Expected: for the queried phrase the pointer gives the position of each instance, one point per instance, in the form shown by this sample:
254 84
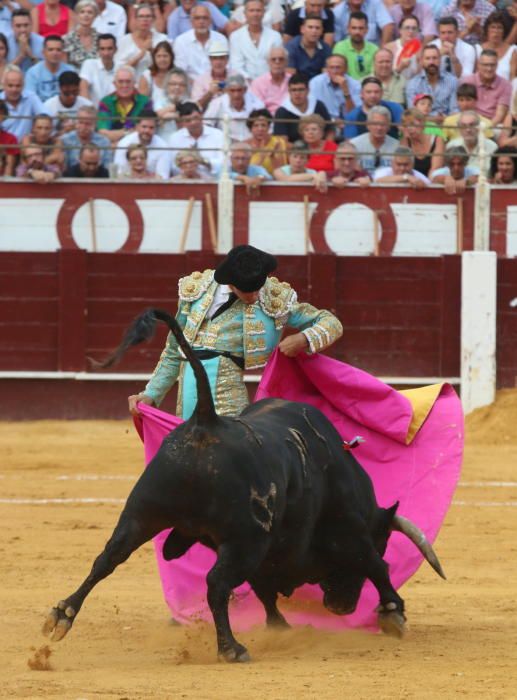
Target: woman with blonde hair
192 166
428 149
137 158
81 43
321 151
152 82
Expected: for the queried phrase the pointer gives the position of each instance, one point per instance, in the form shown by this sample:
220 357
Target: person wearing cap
212 83
191 49
237 102
424 104
234 317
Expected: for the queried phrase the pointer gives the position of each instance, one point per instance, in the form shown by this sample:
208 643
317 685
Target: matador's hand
136 398
293 344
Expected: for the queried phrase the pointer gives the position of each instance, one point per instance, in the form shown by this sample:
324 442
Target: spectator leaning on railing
22 105
503 168
241 170
269 151
33 166
191 166
401 171
456 175
89 164
347 170
84 134
297 171
41 135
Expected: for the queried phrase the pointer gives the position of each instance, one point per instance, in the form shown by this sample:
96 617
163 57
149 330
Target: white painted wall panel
511 232
163 224
425 229
278 227
29 225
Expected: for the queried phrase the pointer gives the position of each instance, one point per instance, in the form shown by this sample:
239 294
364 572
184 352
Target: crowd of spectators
313 91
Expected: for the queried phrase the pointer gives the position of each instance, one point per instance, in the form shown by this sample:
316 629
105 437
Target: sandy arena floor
463 633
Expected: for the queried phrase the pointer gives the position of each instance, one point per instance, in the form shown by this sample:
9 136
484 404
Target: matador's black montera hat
246 268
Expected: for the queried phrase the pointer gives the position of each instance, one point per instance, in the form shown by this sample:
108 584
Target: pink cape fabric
421 475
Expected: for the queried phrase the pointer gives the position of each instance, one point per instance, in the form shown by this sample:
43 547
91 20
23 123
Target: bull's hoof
59 621
235 655
391 621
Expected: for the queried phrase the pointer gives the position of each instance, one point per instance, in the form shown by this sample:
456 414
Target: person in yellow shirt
467 101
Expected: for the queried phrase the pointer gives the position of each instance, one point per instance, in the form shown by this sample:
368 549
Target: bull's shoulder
277 298
193 286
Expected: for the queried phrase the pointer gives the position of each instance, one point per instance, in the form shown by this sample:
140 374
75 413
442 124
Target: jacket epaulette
193 286
277 298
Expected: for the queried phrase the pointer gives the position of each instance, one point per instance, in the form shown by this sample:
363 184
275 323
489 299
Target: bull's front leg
391 617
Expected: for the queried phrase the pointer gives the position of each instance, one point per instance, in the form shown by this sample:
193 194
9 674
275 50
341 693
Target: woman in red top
312 129
52 18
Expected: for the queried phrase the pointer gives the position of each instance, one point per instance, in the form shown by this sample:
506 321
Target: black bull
273 492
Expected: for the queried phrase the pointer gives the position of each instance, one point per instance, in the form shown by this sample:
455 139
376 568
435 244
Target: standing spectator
89 164
242 171
393 83
51 18
196 135
376 148
83 135
426 148
134 49
111 19
119 111
33 166
298 104
312 131
136 156
22 105
378 20
431 81
458 57
407 65
9 150
268 151
43 78
271 87
509 132
421 10
456 175
192 47
63 107
338 91
176 93
297 170
41 135
97 74
25 47
371 96
495 37
191 166
158 157
401 171
179 19
250 45
81 43
315 8
347 169
467 98
307 54
470 15
237 102
152 82
503 169
358 52
470 139
494 92
212 83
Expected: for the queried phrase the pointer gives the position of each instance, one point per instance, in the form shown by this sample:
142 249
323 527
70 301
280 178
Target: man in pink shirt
494 92
212 84
271 87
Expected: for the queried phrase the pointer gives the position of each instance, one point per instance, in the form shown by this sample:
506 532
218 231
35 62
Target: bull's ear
384 521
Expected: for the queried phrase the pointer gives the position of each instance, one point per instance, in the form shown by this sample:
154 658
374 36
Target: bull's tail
142 329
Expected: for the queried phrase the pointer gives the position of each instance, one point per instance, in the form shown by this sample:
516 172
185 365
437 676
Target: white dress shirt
158 160
465 53
248 59
220 106
112 20
210 145
220 297
127 50
191 55
99 79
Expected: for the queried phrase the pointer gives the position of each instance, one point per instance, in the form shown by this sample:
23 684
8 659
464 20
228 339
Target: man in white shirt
250 45
237 103
97 74
469 138
111 19
63 106
194 135
191 48
158 155
457 57
401 171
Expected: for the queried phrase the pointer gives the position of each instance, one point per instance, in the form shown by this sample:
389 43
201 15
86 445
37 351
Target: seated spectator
250 45
22 105
176 93
161 12
51 18
33 166
458 57
191 166
111 19
312 131
268 151
134 49
431 81
137 159
470 139
81 43
85 135
379 21
97 74
316 8
456 175
179 19
9 150
272 87
338 91
393 83
192 47
241 169
509 14
237 102
427 149
347 170
43 77
307 54
63 107
470 15
371 96
503 169
41 135
89 164
297 170
424 104
6 10
494 93
358 52
467 98
196 135
212 83
25 47
509 131
4 50
274 15
401 171
124 101
298 104
408 66
421 10
158 157
495 36
376 148
152 81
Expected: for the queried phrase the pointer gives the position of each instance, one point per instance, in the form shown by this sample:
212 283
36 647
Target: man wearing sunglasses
358 52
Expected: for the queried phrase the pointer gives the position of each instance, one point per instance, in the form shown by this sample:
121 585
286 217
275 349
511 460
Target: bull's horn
416 535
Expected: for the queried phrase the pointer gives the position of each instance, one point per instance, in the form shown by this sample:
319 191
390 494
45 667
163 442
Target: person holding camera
212 83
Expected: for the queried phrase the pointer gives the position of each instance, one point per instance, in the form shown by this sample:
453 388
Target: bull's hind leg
129 534
268 597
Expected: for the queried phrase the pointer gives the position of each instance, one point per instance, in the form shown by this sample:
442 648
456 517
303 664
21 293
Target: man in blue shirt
430 81
371 96
23 106
43 77
338 91
25 48
307 53
179 19
241 171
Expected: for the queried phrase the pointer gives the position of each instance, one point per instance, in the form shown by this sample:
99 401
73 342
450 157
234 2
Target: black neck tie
231 299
